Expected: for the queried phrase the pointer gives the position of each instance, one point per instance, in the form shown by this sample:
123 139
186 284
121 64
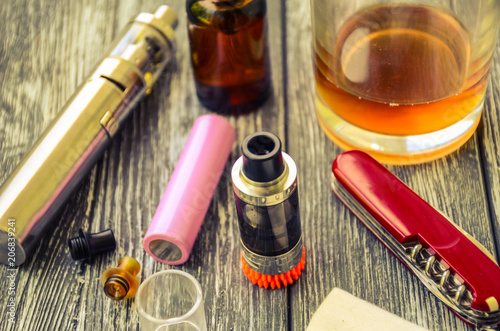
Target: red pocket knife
450 263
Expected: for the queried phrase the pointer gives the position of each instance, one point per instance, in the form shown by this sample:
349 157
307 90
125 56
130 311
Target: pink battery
181 211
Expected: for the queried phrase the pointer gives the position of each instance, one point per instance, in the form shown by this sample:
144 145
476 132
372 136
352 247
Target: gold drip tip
122 282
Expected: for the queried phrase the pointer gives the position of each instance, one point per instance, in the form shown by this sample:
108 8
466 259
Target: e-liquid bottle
229 54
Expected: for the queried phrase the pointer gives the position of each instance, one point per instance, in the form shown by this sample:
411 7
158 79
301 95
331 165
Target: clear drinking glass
403 80
171 300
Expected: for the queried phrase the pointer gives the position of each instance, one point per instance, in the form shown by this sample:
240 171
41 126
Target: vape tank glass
267 203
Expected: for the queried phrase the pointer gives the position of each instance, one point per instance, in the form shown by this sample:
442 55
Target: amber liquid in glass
400 70
229 54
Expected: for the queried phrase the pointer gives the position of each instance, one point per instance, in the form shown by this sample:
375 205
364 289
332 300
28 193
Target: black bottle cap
262 158
87 244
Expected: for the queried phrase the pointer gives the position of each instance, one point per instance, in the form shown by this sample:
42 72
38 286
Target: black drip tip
87 244
262 158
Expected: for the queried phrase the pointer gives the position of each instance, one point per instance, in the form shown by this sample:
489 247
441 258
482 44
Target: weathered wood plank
64 41
342 252
489 134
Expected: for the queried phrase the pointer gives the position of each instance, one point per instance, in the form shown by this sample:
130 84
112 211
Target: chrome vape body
77 137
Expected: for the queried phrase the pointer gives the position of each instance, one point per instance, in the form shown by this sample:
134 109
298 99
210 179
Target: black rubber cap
262 158
87 245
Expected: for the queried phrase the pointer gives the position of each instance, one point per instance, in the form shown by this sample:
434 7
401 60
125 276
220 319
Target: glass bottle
229 54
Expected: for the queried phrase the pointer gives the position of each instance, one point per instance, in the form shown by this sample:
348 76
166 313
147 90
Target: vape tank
267 203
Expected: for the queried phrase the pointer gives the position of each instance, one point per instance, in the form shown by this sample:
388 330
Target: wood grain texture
123 190
489 133
342 252
46 50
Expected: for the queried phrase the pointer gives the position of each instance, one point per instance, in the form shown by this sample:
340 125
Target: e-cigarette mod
76 139
267 203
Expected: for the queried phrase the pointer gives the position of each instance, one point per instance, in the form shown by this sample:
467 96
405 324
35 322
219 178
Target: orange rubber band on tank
274 281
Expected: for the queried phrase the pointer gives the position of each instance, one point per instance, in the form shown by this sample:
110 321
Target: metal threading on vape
273 265
267 195
438 278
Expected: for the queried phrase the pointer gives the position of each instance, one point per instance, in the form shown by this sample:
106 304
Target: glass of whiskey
404 81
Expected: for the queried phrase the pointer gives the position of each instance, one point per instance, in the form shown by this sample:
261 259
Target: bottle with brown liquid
229 54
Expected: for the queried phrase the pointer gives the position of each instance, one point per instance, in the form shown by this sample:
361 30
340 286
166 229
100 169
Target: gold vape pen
75 140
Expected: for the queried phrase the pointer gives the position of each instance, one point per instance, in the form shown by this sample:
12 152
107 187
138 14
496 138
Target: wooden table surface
47 47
